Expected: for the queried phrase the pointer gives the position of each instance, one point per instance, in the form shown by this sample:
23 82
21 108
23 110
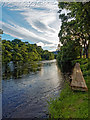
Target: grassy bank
72 104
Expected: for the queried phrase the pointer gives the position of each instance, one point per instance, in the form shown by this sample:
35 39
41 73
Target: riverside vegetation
16 51
72 104
74 36
21 58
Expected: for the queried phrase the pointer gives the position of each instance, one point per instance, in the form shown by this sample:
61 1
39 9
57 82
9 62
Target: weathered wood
78 82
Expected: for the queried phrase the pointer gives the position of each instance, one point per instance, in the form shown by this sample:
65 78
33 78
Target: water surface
26 96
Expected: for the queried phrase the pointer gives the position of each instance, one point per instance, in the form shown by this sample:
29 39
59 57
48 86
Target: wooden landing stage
78 82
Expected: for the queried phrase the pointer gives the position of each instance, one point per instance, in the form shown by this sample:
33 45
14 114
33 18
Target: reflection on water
27 97
18 70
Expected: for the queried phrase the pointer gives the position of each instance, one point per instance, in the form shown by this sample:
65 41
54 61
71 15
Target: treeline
74 33
16 50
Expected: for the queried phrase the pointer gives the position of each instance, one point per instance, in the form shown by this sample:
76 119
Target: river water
26 96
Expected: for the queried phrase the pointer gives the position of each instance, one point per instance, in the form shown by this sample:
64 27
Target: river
26 96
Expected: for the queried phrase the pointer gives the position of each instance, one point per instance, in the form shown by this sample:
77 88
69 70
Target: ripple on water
27 97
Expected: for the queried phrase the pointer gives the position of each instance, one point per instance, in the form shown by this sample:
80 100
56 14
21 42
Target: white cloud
40 44
21 33
42 18
51 47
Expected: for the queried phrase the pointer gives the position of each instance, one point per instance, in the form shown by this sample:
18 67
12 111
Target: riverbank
72 104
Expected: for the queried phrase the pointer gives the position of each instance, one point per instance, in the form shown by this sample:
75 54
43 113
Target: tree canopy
75 29
16 50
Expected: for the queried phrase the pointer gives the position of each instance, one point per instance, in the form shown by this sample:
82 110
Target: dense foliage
74 33
67 53
16 50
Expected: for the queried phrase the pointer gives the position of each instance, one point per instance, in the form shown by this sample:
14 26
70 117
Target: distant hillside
55 52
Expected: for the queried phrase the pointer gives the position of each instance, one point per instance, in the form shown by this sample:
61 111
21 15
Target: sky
35 21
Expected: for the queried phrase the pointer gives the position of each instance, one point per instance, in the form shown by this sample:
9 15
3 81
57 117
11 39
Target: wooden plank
78 82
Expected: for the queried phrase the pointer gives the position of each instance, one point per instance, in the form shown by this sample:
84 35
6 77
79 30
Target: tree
16 50
78 28
74 33
67 54
6 51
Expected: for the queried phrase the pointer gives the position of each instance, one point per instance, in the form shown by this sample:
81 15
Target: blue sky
36 21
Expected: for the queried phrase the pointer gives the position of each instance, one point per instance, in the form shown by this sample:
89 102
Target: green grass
72 104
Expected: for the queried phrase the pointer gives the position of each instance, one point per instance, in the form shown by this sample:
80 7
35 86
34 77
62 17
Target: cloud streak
38 22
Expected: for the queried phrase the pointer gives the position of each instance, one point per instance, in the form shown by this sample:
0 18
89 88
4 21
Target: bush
67 54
